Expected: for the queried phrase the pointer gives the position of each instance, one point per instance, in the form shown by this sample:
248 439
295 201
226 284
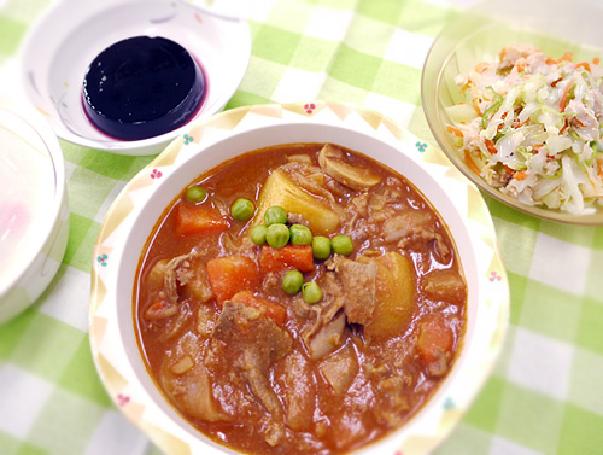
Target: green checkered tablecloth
546 393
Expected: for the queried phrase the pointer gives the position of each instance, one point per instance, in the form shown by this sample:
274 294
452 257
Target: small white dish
64 42
33 210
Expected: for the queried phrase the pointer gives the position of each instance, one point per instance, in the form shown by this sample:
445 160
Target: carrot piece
520 175
199 219
596 61
273 310
600 167
565 97
584 65
470 163
454 131
435 337
551 61
231 274
290 256
490 146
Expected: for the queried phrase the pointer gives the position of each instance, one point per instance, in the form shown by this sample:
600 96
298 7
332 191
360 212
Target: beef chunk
325 331
243 328
391 402
327 338
300 391
340 369
196 283
206 321
256 342
359 287
415 229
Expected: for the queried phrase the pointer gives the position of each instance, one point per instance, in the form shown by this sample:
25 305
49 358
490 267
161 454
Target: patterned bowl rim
426 429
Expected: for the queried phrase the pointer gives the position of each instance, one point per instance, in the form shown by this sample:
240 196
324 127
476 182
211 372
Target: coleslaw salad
531 126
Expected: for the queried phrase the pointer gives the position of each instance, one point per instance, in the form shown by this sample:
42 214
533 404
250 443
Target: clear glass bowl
477 35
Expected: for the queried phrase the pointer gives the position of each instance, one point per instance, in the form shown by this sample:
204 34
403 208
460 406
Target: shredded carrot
555 82
508 170
470 163
455 131
565 97
567 57
490 146
521 175
502 54
520 67
596 61
476 108
600 167
584 65
481 67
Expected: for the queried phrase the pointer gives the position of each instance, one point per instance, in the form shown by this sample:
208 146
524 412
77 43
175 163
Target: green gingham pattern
545 395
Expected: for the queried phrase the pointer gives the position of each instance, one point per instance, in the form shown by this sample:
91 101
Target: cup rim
37 126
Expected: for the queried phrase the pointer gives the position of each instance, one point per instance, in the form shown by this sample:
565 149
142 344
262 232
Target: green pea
196 194
300 235
321 247
342 244
292 282
258 234
277 235
242 209
275 214
311 292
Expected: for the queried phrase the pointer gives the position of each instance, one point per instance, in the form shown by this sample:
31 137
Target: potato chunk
396 291
281 190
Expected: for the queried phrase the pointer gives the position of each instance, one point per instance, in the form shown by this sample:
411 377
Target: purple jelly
142 87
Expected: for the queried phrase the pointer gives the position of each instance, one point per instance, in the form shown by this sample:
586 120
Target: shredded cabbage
534 127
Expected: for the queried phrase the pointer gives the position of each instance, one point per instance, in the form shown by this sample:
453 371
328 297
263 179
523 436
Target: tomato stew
319 320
